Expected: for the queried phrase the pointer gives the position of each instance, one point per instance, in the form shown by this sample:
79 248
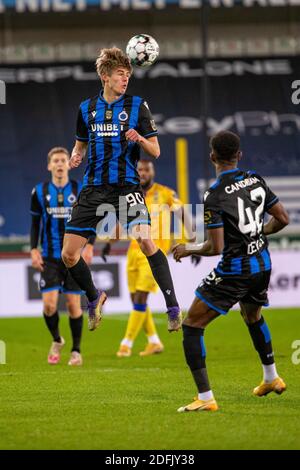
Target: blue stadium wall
252 97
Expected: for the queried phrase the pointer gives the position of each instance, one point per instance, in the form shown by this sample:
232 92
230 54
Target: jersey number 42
250 220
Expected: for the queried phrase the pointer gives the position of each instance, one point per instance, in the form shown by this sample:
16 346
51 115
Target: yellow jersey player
161 202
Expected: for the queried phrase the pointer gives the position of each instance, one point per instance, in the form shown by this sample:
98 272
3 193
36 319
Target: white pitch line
114 369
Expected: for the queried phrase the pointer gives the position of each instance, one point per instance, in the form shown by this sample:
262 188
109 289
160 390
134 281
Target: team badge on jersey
72 198
207 217
108 114
60 198
123 116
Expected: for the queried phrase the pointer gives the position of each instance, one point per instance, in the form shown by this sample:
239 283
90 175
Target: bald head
146 172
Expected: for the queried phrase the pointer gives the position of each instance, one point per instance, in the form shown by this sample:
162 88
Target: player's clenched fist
133 136
75 160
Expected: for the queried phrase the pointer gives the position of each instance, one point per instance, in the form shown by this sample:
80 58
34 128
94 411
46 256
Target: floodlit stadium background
47 54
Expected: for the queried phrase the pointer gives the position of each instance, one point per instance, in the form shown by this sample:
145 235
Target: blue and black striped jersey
238 201
54 205
111 158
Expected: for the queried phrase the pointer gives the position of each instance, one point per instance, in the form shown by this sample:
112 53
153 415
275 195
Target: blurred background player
234 210
51 204
161 202
112 127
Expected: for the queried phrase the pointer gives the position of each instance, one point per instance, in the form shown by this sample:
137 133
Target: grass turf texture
131 403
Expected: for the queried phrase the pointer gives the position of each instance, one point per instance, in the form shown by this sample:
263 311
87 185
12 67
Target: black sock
82 275
195 354
76 329
52 324
161 273
261 338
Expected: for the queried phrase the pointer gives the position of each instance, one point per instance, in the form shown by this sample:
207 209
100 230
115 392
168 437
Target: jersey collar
60 188
113 102
234 170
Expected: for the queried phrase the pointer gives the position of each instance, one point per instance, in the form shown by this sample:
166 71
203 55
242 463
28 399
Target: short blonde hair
57 150
110 59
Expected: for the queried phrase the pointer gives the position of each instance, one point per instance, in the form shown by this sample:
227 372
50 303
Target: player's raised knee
69 258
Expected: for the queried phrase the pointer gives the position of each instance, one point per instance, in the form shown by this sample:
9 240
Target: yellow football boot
152 348
124 351
200 405
278 386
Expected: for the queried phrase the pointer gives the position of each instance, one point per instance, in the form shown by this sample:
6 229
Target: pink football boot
54 353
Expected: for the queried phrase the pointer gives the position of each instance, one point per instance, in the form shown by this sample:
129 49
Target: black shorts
221 293
56 277
125 204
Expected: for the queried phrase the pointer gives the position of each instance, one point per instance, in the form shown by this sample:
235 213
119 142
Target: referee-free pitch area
131 403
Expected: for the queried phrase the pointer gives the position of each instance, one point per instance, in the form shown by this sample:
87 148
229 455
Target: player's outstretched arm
213 246
279 219
78 153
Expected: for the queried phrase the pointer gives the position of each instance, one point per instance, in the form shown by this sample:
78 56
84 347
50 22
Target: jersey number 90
134 198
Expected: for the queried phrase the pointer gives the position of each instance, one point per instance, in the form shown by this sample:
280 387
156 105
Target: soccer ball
142 50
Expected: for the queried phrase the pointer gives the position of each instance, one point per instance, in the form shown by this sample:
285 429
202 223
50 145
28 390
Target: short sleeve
35 206
212 212
81 128
271 198
146 124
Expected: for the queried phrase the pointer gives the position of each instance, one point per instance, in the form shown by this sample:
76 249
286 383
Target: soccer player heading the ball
111 129
234 210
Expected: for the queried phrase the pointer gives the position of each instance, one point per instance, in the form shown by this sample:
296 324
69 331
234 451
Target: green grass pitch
131 403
